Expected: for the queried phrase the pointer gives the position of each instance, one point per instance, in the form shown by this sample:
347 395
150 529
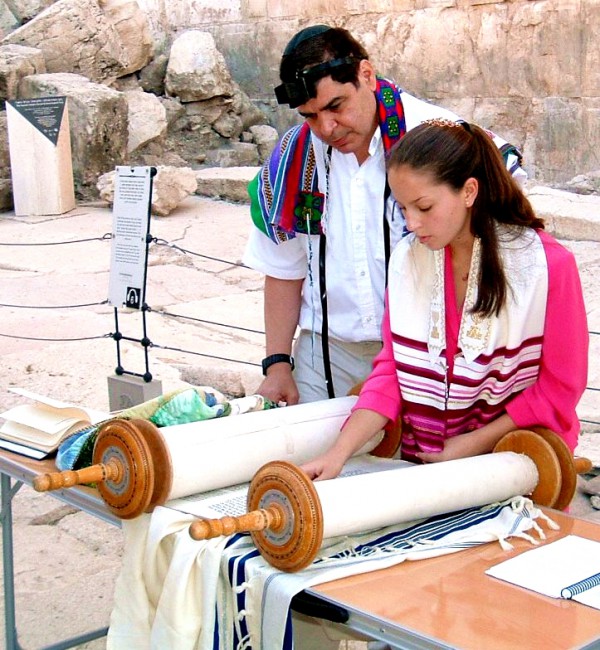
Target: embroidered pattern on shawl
284 195
497 357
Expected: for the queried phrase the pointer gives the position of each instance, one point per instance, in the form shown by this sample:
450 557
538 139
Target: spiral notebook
568 568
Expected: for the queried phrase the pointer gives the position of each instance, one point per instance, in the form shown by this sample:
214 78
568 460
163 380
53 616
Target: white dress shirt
355 259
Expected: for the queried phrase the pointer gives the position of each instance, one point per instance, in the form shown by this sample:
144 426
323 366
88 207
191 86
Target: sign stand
40 156
128 270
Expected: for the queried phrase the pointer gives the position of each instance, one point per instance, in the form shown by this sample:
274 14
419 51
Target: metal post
10 624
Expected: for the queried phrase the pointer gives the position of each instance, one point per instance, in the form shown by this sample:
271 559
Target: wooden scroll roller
556 465
137 466
289 515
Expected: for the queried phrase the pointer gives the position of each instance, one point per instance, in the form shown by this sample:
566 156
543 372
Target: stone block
196 69
227 183
133 29
589 18
125 391
171 185
238 154
98 117
568 215
16 62
76 37
147 118
25 10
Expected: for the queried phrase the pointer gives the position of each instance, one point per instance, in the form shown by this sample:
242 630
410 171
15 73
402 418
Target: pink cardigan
551 400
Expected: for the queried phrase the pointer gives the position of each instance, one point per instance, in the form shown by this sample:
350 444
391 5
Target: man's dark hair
313 53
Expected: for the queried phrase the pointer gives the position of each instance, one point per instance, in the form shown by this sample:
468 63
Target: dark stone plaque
45 113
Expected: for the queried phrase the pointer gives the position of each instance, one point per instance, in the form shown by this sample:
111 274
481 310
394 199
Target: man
325 220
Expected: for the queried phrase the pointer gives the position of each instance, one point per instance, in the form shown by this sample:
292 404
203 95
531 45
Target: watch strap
272 359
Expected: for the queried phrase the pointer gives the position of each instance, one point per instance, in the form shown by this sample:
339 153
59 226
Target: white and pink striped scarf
497 357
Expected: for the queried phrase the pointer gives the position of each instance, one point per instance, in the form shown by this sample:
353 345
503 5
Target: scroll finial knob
111 471
273 518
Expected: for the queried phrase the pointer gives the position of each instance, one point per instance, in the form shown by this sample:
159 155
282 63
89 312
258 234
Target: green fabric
255 211
185 407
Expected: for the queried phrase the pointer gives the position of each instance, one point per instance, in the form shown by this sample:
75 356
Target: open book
36 429
568 568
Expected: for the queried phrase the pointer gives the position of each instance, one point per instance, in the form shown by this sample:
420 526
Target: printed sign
131 221
45 113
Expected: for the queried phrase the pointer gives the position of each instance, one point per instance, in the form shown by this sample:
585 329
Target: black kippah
304 35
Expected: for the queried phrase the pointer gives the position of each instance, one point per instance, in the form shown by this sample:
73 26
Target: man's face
343 115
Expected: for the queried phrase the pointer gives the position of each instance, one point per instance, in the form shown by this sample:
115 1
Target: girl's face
437 214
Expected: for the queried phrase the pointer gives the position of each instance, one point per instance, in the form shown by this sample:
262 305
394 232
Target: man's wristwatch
267 362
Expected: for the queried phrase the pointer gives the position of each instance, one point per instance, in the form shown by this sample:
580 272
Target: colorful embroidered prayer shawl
285 197
180 406
497 357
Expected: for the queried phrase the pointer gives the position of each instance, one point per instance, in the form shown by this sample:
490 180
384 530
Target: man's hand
279 385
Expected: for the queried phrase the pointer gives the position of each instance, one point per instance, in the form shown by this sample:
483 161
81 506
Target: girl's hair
452 152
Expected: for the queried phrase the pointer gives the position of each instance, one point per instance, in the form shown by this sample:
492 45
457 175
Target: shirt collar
376 142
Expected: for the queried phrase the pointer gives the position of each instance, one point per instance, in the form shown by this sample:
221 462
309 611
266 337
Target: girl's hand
323 467
461 446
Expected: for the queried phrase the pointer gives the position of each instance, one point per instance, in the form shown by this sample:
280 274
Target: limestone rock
6 200
229 184
75 37
170 187
128 82
154 155
203 114
237 154
152 76
585 183
16 62
229 125
248 112
8 21
196 69
25 10
174 109
98 120
133 28
567 215
266 138
230 382
147 118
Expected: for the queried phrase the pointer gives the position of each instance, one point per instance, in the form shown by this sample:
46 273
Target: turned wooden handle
272 517
582 465
111 471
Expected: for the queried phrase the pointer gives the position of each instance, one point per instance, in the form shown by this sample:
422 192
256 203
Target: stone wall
528 69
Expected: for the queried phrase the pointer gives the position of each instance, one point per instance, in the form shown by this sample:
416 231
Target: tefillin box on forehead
303 88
